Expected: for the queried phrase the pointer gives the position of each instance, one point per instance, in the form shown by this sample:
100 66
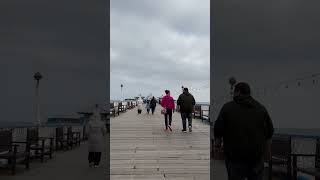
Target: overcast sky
158 45
267 42
66 42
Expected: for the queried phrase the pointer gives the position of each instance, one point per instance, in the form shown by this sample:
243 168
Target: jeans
168 114
152 109
94 157
243 170
184 117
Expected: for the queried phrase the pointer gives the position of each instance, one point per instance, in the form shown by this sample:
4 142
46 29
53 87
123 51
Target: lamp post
121 91
232 82
37 76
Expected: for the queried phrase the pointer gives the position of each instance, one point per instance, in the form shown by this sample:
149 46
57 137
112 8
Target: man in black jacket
186 104
153 104
245 128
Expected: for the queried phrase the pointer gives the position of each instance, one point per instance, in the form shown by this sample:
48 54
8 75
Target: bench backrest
59 133
281 146
5 139
197 108
69 130
33 135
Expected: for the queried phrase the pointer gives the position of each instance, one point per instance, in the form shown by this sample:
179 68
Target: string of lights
312 79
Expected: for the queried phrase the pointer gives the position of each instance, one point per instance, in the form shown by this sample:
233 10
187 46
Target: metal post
37 77
38 103
121 92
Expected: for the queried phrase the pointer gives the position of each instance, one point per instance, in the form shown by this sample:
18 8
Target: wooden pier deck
141 149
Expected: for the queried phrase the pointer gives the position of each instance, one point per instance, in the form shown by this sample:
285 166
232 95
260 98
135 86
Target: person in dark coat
245 128
186 103
153 104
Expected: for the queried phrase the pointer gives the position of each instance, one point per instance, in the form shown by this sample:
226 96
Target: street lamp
37 76
121 91
232 82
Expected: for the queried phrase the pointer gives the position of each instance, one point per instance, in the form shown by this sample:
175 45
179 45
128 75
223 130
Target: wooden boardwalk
141 149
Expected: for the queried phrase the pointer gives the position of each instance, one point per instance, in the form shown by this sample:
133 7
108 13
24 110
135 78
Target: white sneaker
96 166
190 129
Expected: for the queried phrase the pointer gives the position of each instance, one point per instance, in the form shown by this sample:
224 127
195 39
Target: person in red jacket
167 103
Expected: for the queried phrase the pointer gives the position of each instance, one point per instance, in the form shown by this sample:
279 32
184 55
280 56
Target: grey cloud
158 45
66 42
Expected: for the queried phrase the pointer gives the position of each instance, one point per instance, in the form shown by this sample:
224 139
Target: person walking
245 129
97 131
153 104
139 102
148 106
168 105
186 103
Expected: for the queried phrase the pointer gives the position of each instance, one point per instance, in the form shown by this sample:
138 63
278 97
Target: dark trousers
184 117
152 109
166 116
94 157
243 170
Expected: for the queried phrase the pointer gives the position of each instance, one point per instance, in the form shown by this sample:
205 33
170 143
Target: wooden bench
76 138
130 105
59 138
73 137
197 111
39 144
205 114
313 171
68 139
125 106
121 108
10 152
280 160
112 110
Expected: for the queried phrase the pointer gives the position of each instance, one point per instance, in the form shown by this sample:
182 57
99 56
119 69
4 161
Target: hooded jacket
186 102
245 126
153 103
168 102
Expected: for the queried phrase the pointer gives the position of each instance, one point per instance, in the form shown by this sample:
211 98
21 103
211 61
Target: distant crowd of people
185 104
